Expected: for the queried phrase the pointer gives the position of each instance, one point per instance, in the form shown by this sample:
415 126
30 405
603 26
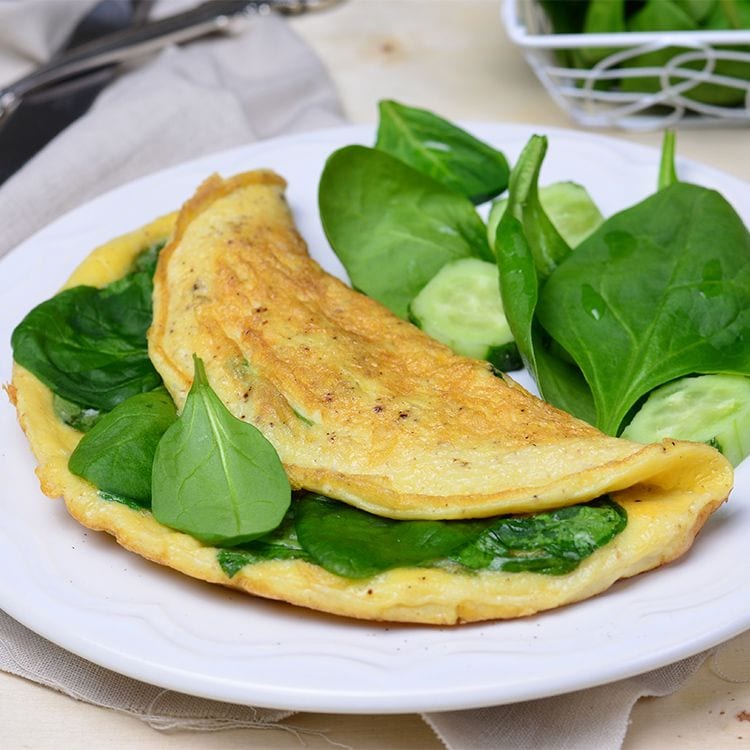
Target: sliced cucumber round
569 207
713 409
461 307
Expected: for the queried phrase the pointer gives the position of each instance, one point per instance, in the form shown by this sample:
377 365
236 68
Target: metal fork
213 16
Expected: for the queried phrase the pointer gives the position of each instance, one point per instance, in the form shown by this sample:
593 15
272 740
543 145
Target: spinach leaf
659 291
216 477
393 227
567 17
602 17
122 499
527 249
117 453
147 258
667 169
553 542
558 378
547 246
280 544
441 150
661 15
74 415
355 544
123 307
519 288
88 345
655 15
567 204
724 16
698 10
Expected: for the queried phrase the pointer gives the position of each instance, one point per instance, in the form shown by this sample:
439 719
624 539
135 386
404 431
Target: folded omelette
365 408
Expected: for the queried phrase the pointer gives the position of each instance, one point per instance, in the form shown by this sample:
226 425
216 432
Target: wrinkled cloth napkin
178 105
186 102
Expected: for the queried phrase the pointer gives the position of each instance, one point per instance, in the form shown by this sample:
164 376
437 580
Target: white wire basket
619 91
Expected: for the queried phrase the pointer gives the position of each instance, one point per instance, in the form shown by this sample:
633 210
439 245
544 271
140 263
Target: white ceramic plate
80 590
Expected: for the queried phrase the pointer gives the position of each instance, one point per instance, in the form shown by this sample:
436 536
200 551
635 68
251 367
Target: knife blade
44 113
48 91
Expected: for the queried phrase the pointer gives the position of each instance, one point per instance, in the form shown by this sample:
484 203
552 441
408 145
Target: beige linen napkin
176 106
189 101
593 719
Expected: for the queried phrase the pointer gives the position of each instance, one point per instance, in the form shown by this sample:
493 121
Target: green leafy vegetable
698 10
558 378
147 259
356 544
393 227
655 15
602 17
596 345
684 309
280 544
527 249
519 287
122 499
667 170
569 207
554 542
88 345
117 453
661 15
548 248
670 15
724 15
74 415
216 477
441 150
566 17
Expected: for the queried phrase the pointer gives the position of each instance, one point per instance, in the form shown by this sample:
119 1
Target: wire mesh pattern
637 80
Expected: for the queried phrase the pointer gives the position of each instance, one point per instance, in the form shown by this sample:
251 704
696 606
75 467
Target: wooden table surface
451 56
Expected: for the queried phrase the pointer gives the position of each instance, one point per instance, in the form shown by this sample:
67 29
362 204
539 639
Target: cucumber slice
713 409
461 307
569 207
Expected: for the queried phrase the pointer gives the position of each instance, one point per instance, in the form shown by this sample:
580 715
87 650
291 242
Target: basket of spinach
655 294
638 64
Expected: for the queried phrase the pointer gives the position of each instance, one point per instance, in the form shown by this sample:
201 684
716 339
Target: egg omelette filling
365 408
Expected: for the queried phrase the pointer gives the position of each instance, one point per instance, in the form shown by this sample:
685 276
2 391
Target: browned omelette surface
360 405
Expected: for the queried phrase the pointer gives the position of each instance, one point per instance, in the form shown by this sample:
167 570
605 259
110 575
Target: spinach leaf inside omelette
88 344
338 558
